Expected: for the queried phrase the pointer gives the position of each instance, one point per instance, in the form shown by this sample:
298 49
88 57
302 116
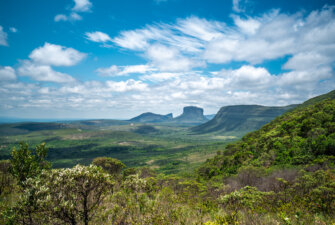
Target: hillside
191 115
151 118
303 136
240 119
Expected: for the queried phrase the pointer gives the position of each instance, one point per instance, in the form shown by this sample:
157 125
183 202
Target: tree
69 195
110 165
5 177
28 163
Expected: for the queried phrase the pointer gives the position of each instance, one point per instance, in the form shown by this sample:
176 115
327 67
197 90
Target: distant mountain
191 115
240 119
211 116
151 118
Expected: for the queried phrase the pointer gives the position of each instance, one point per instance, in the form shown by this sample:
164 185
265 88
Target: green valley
158 173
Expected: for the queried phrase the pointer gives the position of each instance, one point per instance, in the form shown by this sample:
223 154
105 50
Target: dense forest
281 174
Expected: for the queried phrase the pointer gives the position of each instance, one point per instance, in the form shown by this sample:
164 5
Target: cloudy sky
119 58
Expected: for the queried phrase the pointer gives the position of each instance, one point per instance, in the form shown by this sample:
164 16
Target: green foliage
6 178
28 163
282 174
246 198
110 165
68 196
300 137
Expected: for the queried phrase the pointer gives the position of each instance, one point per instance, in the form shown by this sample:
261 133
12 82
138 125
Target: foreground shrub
59 196
27 163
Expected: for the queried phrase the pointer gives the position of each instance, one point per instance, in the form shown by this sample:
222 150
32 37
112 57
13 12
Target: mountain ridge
241 119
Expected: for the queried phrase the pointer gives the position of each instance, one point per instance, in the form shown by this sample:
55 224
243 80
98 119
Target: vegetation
281 174
26 163
138 145
110 165
300 137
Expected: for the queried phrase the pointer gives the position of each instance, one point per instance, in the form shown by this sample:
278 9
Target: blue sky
119 58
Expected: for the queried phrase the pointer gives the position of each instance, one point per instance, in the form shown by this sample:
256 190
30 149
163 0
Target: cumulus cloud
56 55
97 36
248 77
43 73
71 17
128 85
60 17
3 37
159 77
13 29
175 73
124 70
82 5
7 73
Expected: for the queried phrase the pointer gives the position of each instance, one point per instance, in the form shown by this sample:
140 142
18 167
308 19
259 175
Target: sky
119 58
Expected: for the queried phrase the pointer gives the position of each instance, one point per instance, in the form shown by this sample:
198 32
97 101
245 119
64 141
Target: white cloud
134 40
169 59
97 36
124 70
72 17
3 37
236 6
159 77
60 17
302 79
43 73
75 16
248 77
82 5
254 39
7 73
168 80
56 55
129 85
13 29
201 29
307 60
249 26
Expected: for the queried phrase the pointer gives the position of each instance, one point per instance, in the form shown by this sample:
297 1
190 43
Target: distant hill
151 118
191 115
300 137
240 119
98 123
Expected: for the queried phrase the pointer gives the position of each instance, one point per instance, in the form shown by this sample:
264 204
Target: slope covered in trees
303 136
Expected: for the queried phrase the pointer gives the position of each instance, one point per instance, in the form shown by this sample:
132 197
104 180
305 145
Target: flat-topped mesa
241 119
192 114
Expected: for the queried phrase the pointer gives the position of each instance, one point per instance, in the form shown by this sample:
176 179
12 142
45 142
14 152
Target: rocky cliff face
192 115
241 119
